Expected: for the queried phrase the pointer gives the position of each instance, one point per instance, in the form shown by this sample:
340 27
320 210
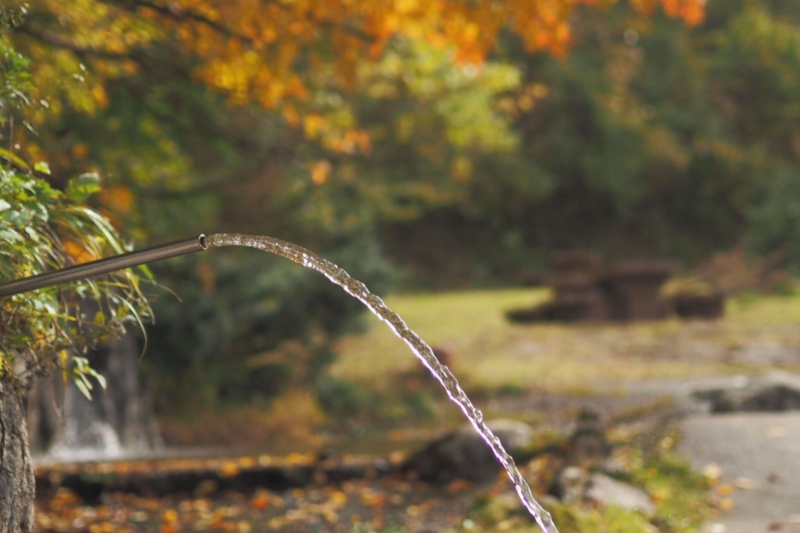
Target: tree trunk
16 472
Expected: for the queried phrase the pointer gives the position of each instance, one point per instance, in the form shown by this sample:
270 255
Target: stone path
759 453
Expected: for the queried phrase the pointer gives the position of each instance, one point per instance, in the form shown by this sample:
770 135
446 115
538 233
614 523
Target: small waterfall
418 346
85 436
67 426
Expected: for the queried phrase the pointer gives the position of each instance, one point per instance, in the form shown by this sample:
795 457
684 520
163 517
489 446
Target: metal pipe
103 266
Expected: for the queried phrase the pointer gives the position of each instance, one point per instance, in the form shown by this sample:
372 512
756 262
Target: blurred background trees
433 144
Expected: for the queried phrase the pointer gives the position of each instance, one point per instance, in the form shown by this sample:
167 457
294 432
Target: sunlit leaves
81 372
89 42
303 59
14 78
264 51
14 159
83 186
41 229
691 11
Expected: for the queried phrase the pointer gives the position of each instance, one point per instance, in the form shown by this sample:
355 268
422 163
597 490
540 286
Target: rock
463 454
570 484
588 442
698 305
574 484
764 353
608 491
614 467
775 391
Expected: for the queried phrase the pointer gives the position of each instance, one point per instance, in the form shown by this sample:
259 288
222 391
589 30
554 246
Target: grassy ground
491 355
757 333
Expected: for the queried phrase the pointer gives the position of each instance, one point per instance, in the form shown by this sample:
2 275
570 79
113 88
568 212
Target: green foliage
649 138
248 325
681 493
41 229
775 221
646 137
573 519
14 73
432 123
82 187
81 373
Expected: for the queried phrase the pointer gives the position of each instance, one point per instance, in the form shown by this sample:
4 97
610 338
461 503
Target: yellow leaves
350 142
169 516
229 469
461 169
725 489
406 7
312 124
338 498
99 95
334 131
372 498
80 150
712 473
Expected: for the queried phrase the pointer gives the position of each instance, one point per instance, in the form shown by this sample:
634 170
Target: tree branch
184 15
53 39
180 16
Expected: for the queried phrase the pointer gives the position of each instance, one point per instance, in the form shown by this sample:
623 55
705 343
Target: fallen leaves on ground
370 503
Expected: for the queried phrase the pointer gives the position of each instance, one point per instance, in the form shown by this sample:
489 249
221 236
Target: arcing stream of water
420 348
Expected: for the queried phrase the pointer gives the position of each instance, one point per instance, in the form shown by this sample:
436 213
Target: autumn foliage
275 52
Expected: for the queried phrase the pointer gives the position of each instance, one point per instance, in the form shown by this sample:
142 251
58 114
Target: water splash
420 348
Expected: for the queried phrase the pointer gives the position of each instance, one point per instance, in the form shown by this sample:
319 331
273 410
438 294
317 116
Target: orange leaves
543 25
78 252
252 48
169 519
320 172
276 53
118 198
260 500
690 11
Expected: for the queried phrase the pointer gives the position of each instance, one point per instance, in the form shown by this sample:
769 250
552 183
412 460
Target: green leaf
43 167
144 269
83 388
82 187
10 236
14 159
101 379
19 218
4 205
